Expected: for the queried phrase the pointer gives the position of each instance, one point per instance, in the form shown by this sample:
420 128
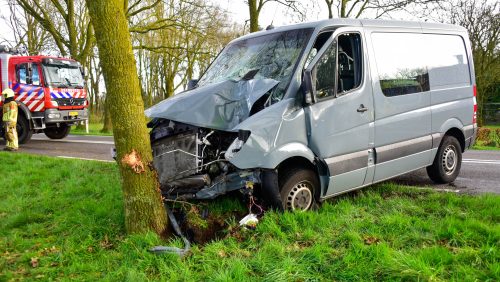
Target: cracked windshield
272 56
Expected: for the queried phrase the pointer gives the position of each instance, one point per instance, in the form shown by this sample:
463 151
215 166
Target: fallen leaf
34 262
106 244
369 240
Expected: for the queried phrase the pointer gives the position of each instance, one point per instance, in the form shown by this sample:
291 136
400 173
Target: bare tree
255 7
27 31
378 8
482 20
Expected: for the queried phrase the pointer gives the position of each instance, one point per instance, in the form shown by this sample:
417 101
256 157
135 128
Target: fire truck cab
50 92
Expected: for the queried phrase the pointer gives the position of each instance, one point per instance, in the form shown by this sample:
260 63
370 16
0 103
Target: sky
238 10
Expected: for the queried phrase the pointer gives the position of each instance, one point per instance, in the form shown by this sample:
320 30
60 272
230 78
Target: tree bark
254 15
143 204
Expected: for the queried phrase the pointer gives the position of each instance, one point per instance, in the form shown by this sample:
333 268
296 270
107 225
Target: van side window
349 62
339 69
401 63
325 73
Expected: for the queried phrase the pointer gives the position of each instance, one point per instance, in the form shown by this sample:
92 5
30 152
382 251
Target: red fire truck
50 92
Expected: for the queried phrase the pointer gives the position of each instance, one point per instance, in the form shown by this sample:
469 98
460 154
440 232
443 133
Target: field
94 129
63 220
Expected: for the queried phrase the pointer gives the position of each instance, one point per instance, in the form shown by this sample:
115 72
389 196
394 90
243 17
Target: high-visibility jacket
10 112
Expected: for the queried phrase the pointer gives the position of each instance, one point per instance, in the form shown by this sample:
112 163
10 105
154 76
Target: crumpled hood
219 106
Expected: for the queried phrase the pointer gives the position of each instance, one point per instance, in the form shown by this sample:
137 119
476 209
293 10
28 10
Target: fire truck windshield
63 76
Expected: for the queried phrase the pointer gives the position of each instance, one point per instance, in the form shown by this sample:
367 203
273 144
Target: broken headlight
235 147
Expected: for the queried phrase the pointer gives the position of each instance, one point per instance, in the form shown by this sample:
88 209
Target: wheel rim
449 160
300 197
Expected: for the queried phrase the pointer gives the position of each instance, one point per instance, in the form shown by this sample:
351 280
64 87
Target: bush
483 134
491 143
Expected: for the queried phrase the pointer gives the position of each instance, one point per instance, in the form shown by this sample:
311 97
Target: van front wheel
447 163
297 189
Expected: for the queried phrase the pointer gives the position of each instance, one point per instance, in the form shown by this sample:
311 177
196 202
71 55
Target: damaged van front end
193 157
231 131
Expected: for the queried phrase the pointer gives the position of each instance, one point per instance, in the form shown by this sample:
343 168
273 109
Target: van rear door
341 117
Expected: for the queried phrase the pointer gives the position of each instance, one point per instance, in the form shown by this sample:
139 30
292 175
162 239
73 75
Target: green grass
94 129
66 216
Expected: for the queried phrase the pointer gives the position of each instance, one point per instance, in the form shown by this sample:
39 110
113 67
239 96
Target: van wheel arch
458 134
299 165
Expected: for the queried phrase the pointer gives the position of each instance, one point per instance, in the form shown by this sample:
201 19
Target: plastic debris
249 221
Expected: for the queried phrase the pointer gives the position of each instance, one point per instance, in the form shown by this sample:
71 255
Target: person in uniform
9 119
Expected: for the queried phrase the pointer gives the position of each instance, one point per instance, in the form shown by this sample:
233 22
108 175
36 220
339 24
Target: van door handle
362 109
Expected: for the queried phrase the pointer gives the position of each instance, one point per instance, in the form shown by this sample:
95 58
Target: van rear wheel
448 160
297 189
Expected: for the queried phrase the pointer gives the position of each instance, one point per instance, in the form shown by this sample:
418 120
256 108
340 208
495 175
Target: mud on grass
63 220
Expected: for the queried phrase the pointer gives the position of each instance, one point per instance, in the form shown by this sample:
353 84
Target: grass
63 220
94 129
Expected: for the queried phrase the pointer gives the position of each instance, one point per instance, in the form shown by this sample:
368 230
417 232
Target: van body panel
278 133
402 165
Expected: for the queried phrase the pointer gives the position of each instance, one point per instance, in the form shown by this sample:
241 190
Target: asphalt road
480 171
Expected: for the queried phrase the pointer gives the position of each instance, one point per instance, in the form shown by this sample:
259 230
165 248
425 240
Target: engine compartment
190 161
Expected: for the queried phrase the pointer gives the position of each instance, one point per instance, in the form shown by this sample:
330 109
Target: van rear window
400 63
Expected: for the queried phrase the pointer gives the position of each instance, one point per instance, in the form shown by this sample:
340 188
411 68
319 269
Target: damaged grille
175 157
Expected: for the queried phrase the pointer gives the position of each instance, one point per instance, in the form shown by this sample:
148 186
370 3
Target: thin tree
255 7
379 8
143 204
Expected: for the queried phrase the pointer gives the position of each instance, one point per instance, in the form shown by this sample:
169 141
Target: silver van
302 113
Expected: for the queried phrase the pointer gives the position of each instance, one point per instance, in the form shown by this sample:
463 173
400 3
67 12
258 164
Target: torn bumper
201 187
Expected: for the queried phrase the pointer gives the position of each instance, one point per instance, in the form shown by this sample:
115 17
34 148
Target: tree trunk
254 15
108 125
143 204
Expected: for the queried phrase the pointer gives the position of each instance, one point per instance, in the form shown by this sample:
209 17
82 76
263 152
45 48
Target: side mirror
192 84
82 71
307 87
29 73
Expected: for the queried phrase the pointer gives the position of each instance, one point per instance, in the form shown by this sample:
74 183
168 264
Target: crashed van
306 112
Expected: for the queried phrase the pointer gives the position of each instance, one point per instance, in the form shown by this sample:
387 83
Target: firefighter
9 119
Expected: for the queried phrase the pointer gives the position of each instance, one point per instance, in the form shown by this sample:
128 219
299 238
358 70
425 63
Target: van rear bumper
469 142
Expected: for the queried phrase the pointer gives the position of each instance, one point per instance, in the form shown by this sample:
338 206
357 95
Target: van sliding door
402 103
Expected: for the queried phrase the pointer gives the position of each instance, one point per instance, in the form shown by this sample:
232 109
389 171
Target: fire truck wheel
24 131
57 132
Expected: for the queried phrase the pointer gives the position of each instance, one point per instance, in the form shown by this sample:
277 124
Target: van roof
361 22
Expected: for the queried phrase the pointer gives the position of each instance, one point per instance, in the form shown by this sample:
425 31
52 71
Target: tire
448 161
57 132
298 188
23 129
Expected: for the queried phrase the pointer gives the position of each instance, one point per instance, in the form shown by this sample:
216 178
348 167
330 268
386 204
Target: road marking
85 159
479 161
76 141
439 189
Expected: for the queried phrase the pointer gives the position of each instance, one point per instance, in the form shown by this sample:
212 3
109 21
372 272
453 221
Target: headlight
54 115
235 147
54 103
